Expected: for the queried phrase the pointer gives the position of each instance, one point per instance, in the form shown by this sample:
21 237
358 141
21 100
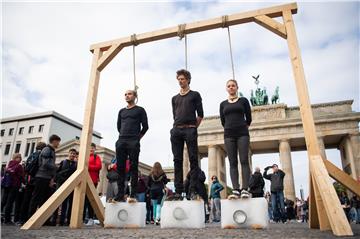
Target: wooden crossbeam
342 177
48 208
272 25
335 213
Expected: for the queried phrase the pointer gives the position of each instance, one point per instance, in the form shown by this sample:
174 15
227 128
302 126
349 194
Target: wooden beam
324 223
335 213
94 199
48 208
108 56
199 26
342 177
272 25
313 214
85 141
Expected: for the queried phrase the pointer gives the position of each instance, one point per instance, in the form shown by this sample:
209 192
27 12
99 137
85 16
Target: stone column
355 146
250 160
221 170
212 163
186 163
286 166
322 147
347 156
103 182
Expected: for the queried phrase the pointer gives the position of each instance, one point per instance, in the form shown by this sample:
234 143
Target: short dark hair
72 150
53 138
93 145
185 73
40 146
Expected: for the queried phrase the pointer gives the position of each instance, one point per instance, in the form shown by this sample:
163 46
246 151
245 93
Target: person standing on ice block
132 125
235 115
187 113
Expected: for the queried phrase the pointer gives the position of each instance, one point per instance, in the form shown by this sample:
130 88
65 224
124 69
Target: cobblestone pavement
291 230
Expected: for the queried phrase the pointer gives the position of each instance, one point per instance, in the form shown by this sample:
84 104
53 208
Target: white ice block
183 214
125 215
244 213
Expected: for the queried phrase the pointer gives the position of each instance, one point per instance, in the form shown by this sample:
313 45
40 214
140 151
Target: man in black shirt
132 125
188 113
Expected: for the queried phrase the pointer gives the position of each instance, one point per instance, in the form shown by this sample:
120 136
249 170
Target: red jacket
94 168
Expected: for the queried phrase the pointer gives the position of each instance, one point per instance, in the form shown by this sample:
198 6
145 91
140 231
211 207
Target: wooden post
333 210
85 141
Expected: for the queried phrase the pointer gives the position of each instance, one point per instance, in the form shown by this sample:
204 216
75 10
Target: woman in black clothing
235 115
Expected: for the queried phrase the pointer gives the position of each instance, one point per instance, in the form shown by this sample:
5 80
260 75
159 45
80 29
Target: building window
11 131
17 147
2 132
41 128
27 149
21 130
32 147
31 129
7 149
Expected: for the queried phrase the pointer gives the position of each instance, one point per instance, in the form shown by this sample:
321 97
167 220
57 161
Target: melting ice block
183 214
125 215
244 213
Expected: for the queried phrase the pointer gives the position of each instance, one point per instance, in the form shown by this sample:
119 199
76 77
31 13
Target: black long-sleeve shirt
185 108
130 121
235 117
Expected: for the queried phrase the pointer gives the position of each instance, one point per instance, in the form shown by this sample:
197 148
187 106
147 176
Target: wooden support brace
108 56
335 213
342 177
323 220
272 25
313 214
94 199
48 208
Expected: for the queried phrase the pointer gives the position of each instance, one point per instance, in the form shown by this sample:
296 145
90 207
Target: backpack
32 163
6 180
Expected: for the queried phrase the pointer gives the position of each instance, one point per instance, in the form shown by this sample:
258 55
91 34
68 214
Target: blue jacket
215 190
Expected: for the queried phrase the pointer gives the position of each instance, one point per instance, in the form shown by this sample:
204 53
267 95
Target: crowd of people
29 186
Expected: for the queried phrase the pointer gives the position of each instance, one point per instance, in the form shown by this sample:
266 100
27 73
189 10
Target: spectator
270 211
113 178
277 192
15 173
29 183
215 190
141 188
345 203
45 174
94 170
156 183
355 206
256 184
66 168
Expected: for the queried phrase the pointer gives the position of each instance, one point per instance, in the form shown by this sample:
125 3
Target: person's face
213 179
18 158
129 96
183 82
231 88
92 150
72 155
275 169
56 143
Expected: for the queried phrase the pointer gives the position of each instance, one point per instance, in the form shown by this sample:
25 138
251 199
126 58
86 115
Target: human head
184 78
257 169
130 96
16 157
275 167
54 140
214 178
72 154
40 146
232 87
157 169
92 148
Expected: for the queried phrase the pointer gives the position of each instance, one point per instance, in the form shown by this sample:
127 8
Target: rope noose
225 24
134 43
181 35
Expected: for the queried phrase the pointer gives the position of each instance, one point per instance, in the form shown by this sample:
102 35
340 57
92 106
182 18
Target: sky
46 63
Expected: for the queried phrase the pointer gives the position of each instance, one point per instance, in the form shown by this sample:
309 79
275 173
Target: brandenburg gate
278 128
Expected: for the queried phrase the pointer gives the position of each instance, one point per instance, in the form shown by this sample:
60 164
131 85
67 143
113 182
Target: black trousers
233 147
40 195
12 193
24 211
128 148
179 136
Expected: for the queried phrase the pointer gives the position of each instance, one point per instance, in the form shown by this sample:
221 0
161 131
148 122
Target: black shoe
175 197
9 223
194 196
119 199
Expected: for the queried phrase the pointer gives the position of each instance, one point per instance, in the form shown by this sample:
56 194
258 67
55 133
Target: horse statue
275 97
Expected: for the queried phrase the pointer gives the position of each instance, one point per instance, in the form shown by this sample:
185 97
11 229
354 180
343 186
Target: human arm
144 123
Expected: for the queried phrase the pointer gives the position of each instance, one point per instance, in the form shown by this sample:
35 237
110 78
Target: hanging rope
134 43
181 35
224 21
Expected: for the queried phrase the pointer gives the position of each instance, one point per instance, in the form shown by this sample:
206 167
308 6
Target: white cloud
47 60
